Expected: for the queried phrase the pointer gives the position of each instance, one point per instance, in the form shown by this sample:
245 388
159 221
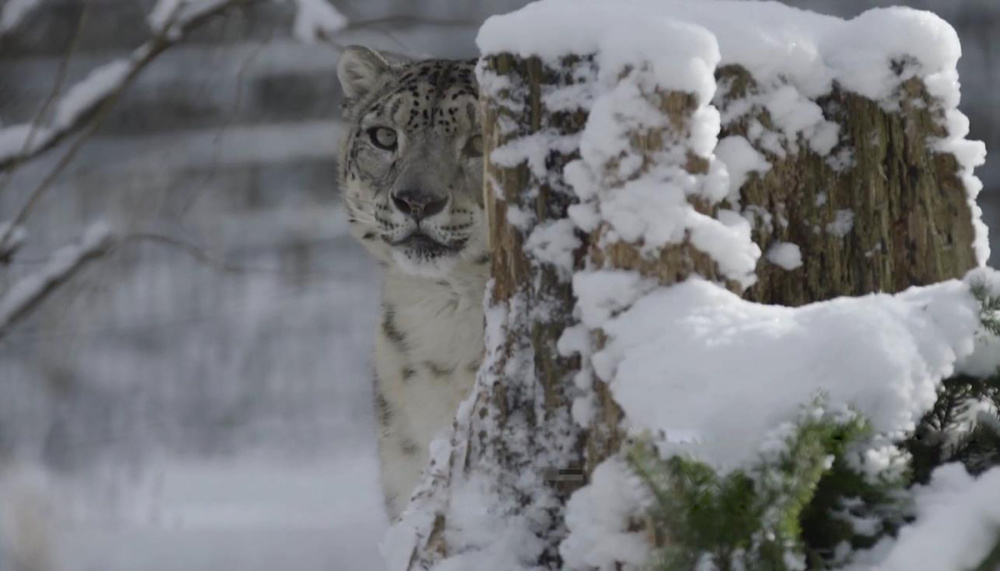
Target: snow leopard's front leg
401 456
427 350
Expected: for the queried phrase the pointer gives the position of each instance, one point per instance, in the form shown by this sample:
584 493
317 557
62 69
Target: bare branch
198 253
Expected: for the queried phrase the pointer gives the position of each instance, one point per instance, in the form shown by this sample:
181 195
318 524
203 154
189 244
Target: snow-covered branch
90 98
30 291
13 12
170 21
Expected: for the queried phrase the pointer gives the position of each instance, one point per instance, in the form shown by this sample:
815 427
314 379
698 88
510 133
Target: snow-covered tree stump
631 186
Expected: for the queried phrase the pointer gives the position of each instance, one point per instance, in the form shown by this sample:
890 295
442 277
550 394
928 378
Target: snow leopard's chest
428 348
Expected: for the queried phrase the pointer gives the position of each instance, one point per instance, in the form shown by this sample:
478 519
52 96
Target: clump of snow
794 113
740 159
919 43
99 83
843 223
696 359
602 294
534 149
553 242
969 154
23 137
985 359
13 12
162 13
956 526
520 218
842 160
785 255
316 19
689 67
599 517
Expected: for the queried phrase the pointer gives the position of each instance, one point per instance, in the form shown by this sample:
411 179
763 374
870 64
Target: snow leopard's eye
474 146
383 138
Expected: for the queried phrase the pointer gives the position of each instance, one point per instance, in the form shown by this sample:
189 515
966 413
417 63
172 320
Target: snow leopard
411 176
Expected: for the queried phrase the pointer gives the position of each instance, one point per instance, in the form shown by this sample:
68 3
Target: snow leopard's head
411 163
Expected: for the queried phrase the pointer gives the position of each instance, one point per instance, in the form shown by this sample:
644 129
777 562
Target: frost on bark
670 264
526 412
891 213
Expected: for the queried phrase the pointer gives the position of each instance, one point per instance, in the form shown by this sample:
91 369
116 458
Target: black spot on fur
390 503
383 412
408 373
408 446
438 370
389 328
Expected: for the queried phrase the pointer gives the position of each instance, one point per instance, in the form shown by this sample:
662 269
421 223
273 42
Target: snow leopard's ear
359 70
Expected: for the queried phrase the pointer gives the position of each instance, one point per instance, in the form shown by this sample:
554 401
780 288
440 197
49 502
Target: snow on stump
646 167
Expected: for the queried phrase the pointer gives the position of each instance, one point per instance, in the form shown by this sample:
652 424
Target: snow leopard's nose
418 204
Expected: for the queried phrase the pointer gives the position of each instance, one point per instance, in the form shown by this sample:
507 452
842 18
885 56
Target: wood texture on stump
911 220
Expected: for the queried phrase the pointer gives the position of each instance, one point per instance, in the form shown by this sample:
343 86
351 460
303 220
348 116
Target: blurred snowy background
183 415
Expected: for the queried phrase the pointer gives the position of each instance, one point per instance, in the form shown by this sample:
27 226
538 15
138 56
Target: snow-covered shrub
824 489
801 495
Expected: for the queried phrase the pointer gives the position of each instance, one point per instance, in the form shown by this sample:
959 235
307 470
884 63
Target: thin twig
199 254
57 85
241 72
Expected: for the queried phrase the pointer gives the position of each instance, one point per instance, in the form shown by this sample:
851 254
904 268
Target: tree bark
912 224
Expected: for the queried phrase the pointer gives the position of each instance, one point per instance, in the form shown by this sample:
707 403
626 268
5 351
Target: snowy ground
250 514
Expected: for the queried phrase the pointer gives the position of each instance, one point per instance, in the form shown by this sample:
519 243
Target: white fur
442 323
